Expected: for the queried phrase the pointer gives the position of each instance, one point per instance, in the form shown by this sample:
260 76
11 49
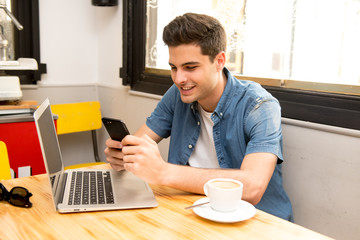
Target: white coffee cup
224 194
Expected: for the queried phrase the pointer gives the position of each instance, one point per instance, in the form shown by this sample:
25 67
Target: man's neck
215 98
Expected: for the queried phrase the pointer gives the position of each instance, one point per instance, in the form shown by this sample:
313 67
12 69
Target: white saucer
243 212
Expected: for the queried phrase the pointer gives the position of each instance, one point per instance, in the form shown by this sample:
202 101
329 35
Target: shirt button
198 123
221 114
190 146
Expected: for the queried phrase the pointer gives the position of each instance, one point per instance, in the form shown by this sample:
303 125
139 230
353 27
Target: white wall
82 47
68 42
80 43
322 176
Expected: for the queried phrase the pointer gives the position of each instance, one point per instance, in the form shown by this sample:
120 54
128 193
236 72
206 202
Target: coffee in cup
224 194
225 184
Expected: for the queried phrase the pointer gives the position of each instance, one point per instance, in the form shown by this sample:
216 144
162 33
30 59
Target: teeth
187 88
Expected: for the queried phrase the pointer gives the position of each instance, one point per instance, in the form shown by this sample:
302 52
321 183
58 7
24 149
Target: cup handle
206 189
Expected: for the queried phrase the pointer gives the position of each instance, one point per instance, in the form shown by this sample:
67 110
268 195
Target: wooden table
167 221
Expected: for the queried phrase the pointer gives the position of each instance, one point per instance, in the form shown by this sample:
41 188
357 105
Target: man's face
194 74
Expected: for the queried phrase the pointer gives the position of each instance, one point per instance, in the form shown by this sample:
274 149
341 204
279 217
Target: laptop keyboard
89 187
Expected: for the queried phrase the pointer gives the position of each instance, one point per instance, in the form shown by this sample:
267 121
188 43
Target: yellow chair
4 163
79 117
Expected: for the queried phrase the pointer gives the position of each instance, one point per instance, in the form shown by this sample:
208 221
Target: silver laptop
78 190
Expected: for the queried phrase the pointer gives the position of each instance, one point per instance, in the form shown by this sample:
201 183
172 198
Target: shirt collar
226 95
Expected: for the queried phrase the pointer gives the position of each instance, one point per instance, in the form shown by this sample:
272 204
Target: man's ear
220 60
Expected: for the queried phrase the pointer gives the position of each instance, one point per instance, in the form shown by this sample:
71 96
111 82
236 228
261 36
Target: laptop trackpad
130 189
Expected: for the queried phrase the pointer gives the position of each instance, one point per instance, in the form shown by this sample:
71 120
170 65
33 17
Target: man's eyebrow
184 64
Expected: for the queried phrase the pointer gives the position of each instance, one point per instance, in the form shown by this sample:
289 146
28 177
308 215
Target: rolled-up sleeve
263 126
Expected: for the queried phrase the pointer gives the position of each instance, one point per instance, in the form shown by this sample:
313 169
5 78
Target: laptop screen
49 145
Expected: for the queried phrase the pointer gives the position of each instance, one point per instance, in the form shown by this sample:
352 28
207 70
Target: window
26 43
303 52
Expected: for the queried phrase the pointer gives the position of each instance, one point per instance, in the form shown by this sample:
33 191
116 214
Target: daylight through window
311 41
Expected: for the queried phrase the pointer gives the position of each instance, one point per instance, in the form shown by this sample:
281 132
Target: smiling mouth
187 88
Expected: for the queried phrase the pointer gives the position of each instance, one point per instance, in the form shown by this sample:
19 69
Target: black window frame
27 41
339 110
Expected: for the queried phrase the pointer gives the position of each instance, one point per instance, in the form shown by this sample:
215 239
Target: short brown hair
199 29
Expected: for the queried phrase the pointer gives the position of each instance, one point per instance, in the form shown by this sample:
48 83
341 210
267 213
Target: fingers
131 167
135 141
113 153
134 154
117 167
137 145
114 156
116 163
113 144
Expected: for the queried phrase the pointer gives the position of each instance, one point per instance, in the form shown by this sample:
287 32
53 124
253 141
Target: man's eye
191 67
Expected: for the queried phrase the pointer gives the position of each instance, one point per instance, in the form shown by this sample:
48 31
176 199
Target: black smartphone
116 128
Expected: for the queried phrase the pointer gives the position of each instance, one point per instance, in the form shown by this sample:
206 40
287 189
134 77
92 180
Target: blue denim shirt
246 120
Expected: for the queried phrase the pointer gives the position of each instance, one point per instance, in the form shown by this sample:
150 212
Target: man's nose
179 77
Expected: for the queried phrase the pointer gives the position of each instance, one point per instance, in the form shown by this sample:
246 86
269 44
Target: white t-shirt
204 154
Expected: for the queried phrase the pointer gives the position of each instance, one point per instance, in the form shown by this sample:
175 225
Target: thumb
148 139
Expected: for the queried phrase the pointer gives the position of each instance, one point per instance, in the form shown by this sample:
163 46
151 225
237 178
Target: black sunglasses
18 196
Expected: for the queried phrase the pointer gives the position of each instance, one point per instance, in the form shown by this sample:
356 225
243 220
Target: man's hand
141 156
114 154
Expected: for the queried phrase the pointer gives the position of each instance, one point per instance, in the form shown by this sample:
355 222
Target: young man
219 126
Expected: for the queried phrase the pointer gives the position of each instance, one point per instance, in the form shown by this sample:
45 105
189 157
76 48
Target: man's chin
187 99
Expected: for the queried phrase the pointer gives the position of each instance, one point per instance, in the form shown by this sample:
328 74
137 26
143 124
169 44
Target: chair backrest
77 117
4 163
